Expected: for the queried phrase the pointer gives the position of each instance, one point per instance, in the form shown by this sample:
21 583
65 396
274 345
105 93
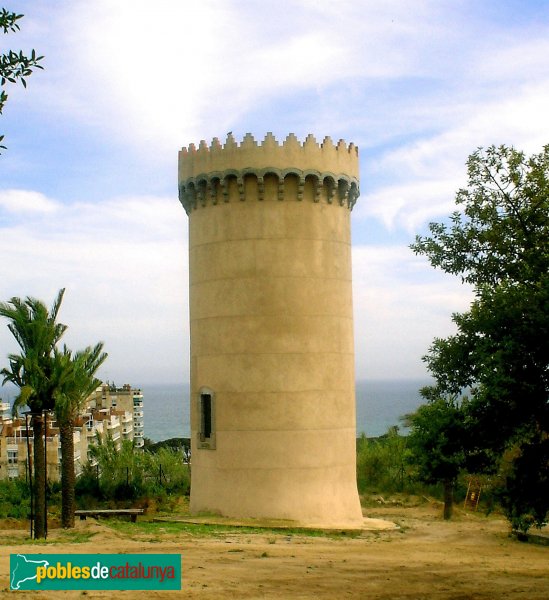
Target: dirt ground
471 557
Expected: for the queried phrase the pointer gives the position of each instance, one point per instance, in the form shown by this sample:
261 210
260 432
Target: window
206 411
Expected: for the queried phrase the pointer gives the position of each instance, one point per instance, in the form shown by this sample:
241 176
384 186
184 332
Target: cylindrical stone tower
272 351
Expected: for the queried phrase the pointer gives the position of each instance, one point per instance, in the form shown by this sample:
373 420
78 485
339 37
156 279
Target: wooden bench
132 512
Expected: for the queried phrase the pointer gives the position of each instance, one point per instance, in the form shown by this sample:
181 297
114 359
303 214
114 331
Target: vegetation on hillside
498 242
127 476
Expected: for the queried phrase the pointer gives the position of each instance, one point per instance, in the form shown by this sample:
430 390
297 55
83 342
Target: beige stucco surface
272 337
324 156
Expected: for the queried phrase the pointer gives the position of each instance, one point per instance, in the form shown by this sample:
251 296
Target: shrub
382 464
523 483
14 499
128 475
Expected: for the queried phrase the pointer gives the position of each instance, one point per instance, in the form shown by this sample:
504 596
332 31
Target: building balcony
14 441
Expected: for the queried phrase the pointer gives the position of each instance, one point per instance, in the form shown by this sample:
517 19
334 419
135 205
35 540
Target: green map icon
23 569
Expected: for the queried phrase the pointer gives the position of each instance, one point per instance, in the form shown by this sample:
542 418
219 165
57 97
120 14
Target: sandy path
469 558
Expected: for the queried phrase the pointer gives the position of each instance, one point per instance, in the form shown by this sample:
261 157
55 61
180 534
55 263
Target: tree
501 235
75 375
14 66
36 331
436 442
524 485
499 243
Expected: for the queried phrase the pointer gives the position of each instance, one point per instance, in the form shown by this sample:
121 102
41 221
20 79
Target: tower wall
272 354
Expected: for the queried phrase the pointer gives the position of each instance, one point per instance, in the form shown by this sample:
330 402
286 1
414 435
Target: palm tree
37 333
75 375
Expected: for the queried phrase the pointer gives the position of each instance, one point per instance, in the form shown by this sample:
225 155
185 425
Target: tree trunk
39 477
448 498
67 474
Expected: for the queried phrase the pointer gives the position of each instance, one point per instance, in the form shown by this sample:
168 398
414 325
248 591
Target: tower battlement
206 172
337 158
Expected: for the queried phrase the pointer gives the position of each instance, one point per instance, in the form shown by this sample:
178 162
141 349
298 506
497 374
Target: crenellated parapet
208 173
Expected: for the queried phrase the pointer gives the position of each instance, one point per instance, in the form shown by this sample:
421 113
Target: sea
380 404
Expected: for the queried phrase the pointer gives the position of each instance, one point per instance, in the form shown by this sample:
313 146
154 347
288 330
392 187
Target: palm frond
22 399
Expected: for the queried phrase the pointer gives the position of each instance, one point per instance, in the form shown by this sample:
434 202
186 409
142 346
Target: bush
173 472
127 475
87 485
14 499
385 466
523 483
382 464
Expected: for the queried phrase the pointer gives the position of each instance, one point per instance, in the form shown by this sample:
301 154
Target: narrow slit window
206 418
206 411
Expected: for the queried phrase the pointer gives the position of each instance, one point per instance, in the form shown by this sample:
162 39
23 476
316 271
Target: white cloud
124 265
24 201
409 205
163 76
420 179
400 305
520 58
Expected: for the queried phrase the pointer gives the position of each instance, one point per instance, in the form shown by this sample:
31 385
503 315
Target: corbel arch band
207 188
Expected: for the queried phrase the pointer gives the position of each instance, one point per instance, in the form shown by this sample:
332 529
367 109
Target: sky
88 184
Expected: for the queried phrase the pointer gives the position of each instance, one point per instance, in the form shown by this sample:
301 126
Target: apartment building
14 449
117 412
124 399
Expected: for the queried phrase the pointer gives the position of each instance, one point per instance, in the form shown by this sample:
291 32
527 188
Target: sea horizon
380 404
